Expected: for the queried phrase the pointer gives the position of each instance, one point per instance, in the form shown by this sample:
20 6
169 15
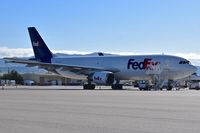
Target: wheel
140 89
169 88
89 87
117 86
197 88
146 89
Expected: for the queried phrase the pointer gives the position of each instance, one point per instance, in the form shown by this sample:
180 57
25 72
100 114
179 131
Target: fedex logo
147 63
36 44
97 78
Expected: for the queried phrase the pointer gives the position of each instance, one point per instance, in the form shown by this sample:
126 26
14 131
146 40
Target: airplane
107 70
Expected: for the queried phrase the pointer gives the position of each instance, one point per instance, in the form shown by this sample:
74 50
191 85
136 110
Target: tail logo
36 44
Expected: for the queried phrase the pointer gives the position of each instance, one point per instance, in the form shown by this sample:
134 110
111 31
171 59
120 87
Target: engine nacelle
103 77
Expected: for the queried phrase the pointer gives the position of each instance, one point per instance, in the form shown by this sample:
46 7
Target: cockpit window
184 62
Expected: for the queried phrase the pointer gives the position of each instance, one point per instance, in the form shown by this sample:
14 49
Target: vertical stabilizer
41 51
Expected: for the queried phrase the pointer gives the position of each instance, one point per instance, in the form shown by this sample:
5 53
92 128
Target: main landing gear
92 87
89 86
117 86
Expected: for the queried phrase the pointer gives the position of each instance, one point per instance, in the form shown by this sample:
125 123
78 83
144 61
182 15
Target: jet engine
103 77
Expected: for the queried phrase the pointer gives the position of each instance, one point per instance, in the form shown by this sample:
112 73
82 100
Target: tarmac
73 110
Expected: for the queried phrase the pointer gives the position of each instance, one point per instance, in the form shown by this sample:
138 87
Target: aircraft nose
193 69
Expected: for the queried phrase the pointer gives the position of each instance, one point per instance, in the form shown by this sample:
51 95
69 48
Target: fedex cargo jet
108 70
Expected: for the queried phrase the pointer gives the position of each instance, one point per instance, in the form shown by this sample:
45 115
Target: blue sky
137 26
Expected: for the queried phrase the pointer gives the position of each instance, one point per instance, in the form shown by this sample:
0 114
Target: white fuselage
131 67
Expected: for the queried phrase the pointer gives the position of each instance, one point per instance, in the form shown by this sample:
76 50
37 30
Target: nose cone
192 69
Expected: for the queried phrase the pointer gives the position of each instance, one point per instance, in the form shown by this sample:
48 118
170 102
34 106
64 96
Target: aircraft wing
65 67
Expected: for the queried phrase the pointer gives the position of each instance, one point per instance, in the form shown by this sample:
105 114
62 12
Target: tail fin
41 51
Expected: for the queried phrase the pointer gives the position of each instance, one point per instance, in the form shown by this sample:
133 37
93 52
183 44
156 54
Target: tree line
12 75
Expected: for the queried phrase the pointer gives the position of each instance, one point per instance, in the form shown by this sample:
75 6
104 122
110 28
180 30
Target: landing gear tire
117 87
146 89
169 88
89 87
